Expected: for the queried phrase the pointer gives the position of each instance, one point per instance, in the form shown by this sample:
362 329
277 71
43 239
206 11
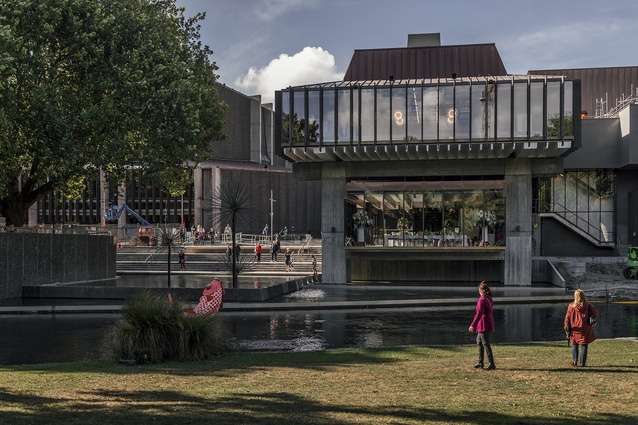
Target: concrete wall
297 203
558 241
28 259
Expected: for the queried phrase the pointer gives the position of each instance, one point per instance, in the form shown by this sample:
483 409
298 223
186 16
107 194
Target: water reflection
69 337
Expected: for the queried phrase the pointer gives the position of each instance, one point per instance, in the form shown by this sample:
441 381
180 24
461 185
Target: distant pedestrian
229 252
266 230
483 323
273 251
182 260
258 250
577 326
288 259
314 264
237 251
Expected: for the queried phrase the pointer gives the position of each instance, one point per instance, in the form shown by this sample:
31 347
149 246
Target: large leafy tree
89 85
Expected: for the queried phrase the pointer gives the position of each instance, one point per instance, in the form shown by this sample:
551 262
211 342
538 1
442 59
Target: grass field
534 384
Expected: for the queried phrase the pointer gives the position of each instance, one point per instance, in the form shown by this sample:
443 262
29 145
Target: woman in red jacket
483 323
577 326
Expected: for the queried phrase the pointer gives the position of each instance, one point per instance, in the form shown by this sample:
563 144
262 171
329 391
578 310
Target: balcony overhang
429 151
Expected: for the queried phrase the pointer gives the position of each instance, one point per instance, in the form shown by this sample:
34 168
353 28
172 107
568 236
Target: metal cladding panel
608 84
425 62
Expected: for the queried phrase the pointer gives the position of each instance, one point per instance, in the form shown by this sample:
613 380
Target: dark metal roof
608 84
472 60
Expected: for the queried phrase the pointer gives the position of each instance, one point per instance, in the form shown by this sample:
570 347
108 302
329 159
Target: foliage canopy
88 85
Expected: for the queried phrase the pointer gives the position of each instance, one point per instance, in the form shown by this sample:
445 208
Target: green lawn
534 384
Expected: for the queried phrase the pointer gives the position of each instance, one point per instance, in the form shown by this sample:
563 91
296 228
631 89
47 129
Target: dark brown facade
473 60
606 84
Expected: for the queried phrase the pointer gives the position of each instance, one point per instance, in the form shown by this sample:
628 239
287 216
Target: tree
88 85
232 203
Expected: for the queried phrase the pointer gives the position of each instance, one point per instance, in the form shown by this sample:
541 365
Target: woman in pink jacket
483 323
577 326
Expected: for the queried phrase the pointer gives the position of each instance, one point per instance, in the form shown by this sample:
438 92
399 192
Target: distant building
246 155
466 172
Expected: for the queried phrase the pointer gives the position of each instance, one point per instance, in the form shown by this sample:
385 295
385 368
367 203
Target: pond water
76 337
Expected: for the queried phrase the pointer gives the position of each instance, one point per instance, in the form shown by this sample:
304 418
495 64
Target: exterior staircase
150 260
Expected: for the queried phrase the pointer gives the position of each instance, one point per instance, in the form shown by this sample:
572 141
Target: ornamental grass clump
154 330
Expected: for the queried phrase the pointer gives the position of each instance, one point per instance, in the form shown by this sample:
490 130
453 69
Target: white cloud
273 9
310 66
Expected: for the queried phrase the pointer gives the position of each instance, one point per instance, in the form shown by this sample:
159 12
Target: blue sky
264 45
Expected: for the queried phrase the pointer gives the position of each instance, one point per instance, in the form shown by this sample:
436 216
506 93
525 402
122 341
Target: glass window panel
299 114
399 118
430 113
553 109
536 105
328 118
343 121
463 112
482 110
355 115
520 109
504 111
313 116
285 117
367 115
415 109
383 114
447 112
569 109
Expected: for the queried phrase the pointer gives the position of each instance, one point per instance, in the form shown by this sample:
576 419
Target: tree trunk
14 211
19 199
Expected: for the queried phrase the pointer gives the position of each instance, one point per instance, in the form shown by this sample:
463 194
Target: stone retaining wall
184 294
32 259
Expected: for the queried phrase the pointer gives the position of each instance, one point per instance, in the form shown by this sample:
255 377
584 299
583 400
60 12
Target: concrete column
121 199
518 231
32 215
332 224
104 197
199 196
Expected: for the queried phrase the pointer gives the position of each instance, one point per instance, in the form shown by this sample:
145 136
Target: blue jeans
583 353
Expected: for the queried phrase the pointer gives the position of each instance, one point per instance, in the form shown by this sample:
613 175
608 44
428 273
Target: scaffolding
602 105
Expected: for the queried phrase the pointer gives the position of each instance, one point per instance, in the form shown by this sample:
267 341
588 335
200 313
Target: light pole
272 216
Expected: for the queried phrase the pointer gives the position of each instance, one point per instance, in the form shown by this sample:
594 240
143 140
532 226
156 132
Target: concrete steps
135 260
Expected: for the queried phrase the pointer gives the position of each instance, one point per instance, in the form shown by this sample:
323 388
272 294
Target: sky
261 46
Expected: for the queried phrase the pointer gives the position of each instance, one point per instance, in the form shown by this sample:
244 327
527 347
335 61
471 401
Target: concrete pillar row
333 181
518 230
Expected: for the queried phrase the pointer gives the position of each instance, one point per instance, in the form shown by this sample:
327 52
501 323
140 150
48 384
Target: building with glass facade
453 170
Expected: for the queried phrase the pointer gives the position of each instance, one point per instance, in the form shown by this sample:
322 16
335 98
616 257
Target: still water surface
76 337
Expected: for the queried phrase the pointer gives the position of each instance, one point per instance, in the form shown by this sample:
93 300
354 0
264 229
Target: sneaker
581 365
574 364
490 366
478 366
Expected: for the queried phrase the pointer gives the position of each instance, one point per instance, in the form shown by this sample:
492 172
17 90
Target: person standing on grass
483 324
577 326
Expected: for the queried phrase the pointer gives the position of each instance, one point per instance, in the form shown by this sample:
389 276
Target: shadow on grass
241 362
169 407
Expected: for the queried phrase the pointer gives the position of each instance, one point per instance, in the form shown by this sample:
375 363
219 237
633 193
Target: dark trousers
483 342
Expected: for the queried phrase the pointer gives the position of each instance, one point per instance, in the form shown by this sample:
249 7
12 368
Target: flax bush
153 330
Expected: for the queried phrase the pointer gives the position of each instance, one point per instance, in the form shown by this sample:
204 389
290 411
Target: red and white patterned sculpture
212 299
